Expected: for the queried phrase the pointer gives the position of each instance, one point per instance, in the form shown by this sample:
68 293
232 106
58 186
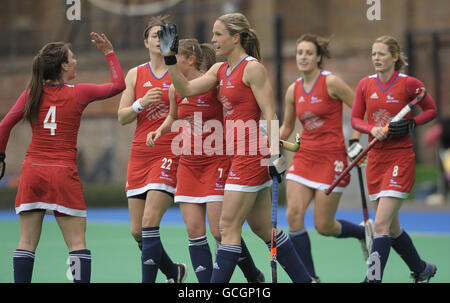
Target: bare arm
289 114
126 114
338 89
166 126
173 113
255 75
197 86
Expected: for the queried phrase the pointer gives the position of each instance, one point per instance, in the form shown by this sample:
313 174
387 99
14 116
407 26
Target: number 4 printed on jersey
51 115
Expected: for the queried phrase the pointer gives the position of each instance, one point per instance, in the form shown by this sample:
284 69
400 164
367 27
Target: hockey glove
277 167
354 149
401 128
168 39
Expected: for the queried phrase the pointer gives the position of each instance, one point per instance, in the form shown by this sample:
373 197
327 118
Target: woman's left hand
102 43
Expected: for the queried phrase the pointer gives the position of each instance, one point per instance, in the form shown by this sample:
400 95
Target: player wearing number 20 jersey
49 177
321 118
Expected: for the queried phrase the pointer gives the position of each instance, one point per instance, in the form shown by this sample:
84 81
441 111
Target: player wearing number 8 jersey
49 177
151 173
390 169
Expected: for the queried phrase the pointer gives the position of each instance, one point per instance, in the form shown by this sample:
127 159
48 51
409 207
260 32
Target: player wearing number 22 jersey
151 168
49 177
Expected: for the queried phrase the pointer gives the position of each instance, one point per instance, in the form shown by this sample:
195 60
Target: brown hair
394 49
204 53
322 45
46 66
155 21
237 23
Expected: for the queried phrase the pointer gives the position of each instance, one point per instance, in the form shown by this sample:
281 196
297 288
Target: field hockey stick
290 146
273 241
368 224
403 112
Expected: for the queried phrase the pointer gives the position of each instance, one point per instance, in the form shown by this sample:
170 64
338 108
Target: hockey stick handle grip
402 113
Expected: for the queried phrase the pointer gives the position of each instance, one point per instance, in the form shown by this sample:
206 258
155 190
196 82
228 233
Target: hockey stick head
291 146
422 94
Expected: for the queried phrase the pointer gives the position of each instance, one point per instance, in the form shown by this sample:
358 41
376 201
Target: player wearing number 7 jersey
203 169
390 169
49 177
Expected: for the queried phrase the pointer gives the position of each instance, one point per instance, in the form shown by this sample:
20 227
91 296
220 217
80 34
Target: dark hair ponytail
46 66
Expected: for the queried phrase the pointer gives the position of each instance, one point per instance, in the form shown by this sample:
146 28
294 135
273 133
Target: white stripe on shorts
51 207
247 188
205 199
313 184
389 193
150 186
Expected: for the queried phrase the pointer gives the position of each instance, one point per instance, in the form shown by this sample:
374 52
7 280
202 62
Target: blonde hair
204 53
394 49
322 46
237 23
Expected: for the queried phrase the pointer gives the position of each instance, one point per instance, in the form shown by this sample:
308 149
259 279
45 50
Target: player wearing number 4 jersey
151 174
49 177
316 99
390 169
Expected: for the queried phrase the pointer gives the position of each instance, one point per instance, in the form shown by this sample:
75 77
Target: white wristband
137 106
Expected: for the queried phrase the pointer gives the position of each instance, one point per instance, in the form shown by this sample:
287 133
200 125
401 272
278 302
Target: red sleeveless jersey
155 114
320 115
241 111
241 120
205 117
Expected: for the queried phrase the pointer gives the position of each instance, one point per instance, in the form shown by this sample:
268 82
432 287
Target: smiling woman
49 178
245 90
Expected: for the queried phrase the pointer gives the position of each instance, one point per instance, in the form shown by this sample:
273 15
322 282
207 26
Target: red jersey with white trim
320 115
205 116
241 119
55 135
241 111
380 102
155 114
